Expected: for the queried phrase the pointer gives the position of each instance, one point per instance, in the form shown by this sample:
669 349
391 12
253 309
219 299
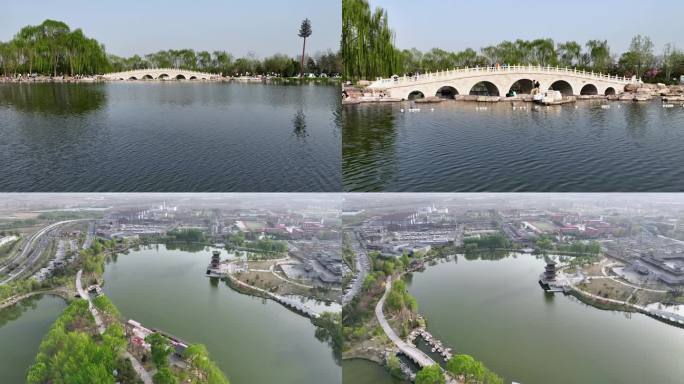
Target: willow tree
367 42
51 48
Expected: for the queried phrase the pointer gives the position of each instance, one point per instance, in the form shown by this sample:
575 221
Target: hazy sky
458 24
128 27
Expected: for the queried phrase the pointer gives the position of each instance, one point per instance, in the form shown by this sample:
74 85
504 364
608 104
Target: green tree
202 367
570 54
472 370
431 374
164 375
640 55
394 366
304 32
599 51
160 349
367 42
544 244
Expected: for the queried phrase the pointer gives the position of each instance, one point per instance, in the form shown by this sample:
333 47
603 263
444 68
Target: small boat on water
552 97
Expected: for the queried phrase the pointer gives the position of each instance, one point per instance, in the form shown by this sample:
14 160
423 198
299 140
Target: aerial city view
501 288
341 192
199 288
526 102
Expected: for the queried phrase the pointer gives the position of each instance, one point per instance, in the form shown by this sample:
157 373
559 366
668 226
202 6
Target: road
30 252
89 236
415 354
362 262
137 366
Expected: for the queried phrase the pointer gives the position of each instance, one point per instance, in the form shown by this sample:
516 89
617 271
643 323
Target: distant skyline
126 27
459 24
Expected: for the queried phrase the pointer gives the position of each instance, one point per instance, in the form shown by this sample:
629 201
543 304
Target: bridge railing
449 73
160 70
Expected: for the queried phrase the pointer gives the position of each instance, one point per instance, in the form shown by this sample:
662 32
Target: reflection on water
171 137
15 311
53 99
299 124
22 328
459 146
167 289
369 158
493 309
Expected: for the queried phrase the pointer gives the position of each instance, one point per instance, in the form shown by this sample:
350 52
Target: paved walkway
415 354
280 299
362 262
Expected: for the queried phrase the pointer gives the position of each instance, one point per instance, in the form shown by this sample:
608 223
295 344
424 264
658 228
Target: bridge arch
163 76
180 76
521 86
132 78
193 78
447 92
610 91
563 86
485 88
589 89
415 95
147 77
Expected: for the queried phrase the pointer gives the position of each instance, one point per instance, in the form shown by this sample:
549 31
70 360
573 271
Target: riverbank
609 292
163 297
213 79
383 323
63 292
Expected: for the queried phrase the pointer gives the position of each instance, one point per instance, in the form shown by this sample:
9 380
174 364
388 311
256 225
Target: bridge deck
412 352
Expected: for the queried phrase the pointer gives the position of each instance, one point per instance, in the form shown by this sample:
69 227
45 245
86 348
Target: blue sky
127 27
459 24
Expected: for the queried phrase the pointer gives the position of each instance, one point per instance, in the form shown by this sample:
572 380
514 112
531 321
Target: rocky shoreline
631 92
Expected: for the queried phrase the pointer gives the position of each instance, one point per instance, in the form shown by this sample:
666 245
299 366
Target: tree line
369 52
52 48
222 62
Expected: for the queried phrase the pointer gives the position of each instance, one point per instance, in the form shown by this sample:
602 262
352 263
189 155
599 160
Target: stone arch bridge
499 81
160 74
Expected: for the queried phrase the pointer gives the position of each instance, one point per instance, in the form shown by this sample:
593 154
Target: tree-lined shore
369 51
54 49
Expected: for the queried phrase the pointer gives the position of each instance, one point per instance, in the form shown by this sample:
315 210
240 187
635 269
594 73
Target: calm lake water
169 137
358 371
22 328
629 147
252 340
496 312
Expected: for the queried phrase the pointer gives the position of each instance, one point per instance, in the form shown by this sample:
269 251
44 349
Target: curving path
415 354
363 268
